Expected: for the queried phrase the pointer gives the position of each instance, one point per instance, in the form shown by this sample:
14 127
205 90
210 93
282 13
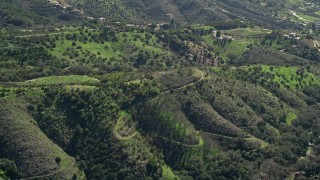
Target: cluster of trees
17 14
201 31
36 56
276 37
314 94
294 138
304 51
175 44
28 63
261 55
167 122
8 168
230 24
246 159
291 45
82 123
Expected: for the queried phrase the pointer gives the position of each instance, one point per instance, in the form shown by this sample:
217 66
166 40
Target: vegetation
22 138
59 80
204 91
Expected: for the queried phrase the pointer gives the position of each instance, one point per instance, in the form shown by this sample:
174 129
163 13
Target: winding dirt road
190 84
120 137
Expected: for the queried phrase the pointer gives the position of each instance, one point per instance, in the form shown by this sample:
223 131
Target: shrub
58 160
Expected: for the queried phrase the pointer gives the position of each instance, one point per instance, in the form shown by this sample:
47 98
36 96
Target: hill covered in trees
105 99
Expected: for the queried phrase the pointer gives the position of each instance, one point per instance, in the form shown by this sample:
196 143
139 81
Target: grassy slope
290 117
289 77
33 152
289 80
167 173
56 80
237 46
177 79
126 45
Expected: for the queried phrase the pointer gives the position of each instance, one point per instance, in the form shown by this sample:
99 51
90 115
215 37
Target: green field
60 80
79 87
289 77
307 17
112 50
202 27
245 33
242 37
167 173
290 117
97 49
237 47
317 13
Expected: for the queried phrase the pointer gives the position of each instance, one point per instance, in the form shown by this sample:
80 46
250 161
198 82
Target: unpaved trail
119 136
299 17
190 84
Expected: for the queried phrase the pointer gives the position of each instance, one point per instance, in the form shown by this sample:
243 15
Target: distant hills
45 12
34 13
187 11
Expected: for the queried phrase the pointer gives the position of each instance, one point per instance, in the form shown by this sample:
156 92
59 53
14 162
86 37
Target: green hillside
34 154
163 89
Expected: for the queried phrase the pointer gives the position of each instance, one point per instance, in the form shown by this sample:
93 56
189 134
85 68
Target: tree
232 57
218 34
58 160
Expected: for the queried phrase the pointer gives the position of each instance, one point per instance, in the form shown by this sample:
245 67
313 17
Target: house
299 173
292 36
130 25
317 23
102 19
151 25
225 37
